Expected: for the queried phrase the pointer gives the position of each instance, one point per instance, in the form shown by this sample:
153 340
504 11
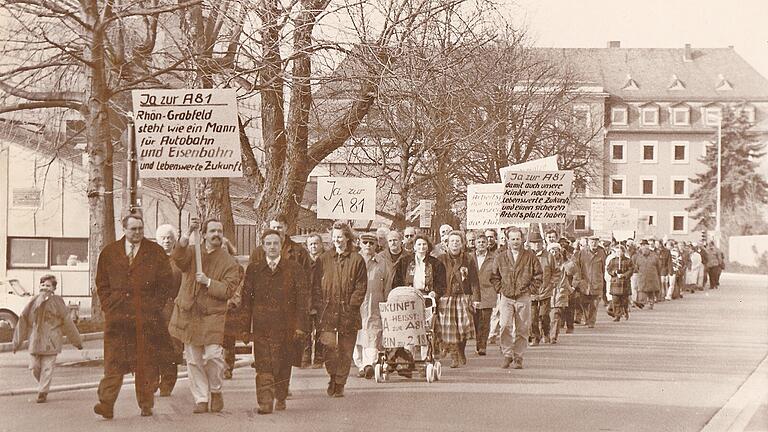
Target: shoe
264 409
568 330
518 363
617 319
339 393
331 390
217 402
590 326
227 374
42 397
103 410
165 393
280 405
626 315
507 361
553 341
481 353
146 412
462 358
200 407
534 342
547 340
650 306
368 372
361 373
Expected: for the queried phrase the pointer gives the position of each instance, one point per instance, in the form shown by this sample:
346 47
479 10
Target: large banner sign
536 196
484 205
601 211
187 133
544 164
346 198
402 323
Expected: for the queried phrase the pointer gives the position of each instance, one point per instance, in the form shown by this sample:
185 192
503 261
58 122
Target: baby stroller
407 322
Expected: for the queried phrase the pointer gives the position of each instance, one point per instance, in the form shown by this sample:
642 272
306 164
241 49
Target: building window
619 116
679 186
648 185
580 224
582 116
649 151
69 251
712 116
679 222
618 184
679 152
650 116
27 253
648 218
681 116
749 114
618 151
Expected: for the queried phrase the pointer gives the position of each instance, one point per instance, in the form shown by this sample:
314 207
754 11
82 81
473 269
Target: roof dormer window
676 84
630 84
723 84
649 115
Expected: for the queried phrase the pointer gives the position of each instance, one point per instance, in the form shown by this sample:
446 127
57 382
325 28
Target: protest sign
544 164
346 198
598 209
536 196
620 219
484 205
187 133
426 207
402 321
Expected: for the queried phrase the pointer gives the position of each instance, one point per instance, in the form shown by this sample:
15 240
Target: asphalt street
687 365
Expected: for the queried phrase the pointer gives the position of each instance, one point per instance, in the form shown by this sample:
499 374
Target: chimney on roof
614 44
688 54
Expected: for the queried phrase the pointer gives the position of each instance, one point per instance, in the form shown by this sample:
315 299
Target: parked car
13 298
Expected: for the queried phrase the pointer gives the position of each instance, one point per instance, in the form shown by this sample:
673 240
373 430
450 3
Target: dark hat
593 237
643 242
535 237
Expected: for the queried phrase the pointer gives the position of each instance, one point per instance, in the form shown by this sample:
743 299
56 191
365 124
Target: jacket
341 281
454 283
620 269
435 273
590 267
518 278
544 291
45 321
562 280
132 297
647 265
488 294
199 313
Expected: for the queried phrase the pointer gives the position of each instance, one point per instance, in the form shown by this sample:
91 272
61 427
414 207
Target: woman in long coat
646 265
462 288
620 269
694 273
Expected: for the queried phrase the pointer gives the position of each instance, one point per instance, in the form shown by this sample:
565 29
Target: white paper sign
599 208
544 164
403 323
187 133
484 205
346 198
621 219
536 196
426 208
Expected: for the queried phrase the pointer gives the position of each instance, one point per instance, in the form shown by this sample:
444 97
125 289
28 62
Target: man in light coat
369 338
199 314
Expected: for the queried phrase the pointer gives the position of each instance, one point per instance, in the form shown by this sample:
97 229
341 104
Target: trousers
146 383
515 321
206 365
589 303
540 318
482 327
338 355
42 369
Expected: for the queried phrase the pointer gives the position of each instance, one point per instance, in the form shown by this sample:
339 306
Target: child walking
45 321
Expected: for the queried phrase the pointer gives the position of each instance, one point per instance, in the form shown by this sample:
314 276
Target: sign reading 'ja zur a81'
187 133
346 198
536 196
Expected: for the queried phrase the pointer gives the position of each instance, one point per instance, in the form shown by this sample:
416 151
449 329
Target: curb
8 346
92 385
736 414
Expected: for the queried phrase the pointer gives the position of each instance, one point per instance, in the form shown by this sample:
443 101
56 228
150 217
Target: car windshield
18 288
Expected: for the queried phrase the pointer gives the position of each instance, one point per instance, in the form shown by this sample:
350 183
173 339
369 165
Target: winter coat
646 265
272 308
172 350
199 314
562 279
455 285
45 321
435 270
544 291
715 257
379 286
341 281
694 274
389 261
488 295
132 297
516 278
665 261
590 266
620 269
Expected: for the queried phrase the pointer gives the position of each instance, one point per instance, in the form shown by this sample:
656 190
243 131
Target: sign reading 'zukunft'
536 196
187 133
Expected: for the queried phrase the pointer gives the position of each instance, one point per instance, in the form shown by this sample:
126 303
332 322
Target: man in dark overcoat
275 309
132 280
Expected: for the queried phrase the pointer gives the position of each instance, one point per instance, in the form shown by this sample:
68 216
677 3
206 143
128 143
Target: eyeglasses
491 237
368 242
409 235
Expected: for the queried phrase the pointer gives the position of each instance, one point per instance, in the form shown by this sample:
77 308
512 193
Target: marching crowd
305 306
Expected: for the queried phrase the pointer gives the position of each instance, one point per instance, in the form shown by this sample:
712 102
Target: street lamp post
719 179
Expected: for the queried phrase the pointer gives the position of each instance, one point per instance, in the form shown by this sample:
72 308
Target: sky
648 24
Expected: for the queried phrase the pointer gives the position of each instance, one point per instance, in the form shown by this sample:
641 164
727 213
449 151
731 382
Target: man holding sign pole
199 314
